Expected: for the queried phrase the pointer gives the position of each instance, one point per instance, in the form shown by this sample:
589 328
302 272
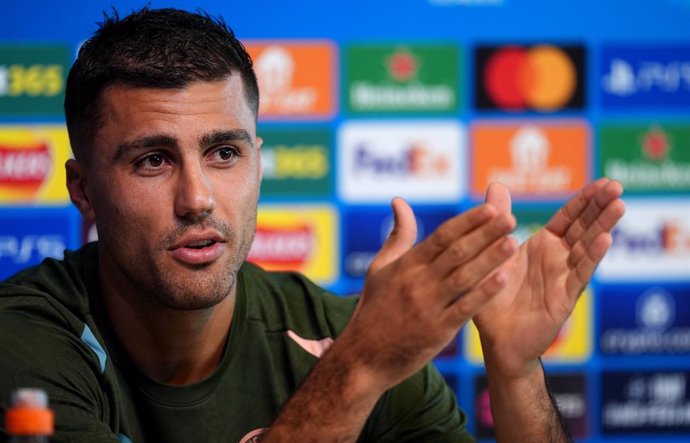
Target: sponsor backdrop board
430 100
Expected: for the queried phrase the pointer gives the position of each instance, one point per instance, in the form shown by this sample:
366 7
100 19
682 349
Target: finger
463 278
446 234
568 213
498 195
401 238
581 274
469 246
592 212
604 223
468 305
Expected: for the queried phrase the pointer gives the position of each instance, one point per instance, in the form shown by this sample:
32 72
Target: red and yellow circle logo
541 78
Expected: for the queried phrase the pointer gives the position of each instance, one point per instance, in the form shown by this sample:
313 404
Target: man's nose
195 195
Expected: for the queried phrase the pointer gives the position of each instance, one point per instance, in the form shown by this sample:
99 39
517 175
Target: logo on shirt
402 78
646 158
31 164
644 76
254 436
533 159
295 79
543 78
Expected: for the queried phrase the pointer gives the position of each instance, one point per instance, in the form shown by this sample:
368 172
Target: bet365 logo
32 80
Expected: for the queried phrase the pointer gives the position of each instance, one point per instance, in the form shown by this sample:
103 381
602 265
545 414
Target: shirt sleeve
420 409
40 354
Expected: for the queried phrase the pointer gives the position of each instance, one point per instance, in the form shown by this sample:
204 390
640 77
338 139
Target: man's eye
154 161
226 153
151 161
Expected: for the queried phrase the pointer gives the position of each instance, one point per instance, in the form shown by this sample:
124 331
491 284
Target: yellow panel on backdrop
297 238
32 164
572 344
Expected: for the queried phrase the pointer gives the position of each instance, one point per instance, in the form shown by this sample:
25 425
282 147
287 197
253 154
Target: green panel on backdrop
32 80
402 78
297 162
646 158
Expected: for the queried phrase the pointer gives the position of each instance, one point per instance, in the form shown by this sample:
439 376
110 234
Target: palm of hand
521 321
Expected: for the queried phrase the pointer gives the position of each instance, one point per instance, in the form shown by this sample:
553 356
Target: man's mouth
198 249
200 244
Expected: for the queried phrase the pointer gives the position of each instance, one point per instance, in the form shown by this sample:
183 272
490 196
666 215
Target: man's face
173 184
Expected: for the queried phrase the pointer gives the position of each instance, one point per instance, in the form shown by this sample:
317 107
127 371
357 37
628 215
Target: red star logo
402 65
655 144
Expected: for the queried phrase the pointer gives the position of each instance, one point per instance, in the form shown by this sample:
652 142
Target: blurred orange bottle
29 420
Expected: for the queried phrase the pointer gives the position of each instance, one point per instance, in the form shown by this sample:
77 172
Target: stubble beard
194 288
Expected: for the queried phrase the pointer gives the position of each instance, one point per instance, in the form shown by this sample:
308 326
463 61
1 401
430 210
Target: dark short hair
150 48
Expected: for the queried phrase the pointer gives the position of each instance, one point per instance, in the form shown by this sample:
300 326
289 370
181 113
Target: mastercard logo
542 78
25 165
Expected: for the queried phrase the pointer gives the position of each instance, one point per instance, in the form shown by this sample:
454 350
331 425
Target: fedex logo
417 160
668 238
652 240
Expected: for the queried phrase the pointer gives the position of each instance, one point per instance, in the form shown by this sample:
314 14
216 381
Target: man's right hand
416 298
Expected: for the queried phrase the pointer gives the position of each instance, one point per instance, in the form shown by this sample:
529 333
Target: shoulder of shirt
290 301
54 288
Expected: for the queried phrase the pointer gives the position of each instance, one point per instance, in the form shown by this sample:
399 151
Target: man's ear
259 142
76 185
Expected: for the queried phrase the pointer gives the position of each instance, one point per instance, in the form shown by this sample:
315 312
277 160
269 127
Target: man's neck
168 345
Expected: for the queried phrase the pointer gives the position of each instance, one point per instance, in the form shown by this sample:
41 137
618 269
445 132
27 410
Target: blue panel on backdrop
644 319
645 402
29 235
645 76
367 229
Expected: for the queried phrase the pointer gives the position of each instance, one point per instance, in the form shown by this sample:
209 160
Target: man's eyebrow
217 137
150 141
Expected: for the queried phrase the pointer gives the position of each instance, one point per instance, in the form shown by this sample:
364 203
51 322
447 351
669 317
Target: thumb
401 238
498 195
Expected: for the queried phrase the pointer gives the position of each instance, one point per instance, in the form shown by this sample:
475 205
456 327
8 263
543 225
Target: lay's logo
290 247
297 238
31 164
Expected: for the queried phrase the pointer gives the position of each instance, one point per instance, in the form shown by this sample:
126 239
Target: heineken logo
402 66
413 78
643 158
655 144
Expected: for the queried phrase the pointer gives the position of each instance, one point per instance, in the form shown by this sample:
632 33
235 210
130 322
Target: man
161 332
